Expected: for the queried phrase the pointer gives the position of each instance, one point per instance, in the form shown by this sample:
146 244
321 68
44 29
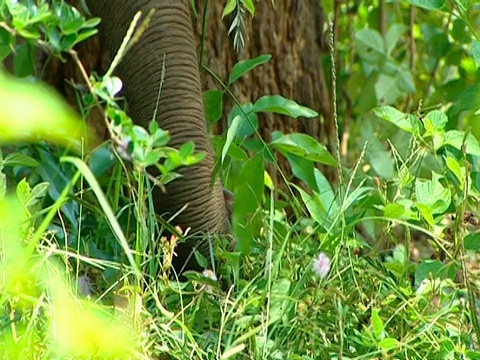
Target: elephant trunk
167 49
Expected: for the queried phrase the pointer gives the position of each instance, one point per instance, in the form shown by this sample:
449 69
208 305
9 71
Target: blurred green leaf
33 112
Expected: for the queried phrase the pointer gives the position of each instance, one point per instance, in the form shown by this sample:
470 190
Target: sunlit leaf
280 105
33 112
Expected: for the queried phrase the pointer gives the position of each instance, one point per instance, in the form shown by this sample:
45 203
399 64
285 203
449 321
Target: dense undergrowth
380 265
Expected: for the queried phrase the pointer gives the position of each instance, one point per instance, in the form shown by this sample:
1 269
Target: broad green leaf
212 100
394 211
246 216
435 122
396 117
468 100
248 124
244 66
433 268
370 45
387 89
50 171
280 105
457 139
33 112
429 4
433 194
405 80
23 61
304 146
302 169
472 241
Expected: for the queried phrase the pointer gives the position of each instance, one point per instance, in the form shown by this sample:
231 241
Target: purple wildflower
321 265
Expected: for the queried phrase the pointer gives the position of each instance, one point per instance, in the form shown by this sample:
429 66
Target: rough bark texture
292 32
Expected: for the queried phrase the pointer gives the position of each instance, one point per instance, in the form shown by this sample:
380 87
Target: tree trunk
292 32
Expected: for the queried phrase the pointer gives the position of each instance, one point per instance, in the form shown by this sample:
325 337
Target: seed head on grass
321 265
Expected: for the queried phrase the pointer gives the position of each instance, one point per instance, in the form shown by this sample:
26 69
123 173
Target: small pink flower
321 265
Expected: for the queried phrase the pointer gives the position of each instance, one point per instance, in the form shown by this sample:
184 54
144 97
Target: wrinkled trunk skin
169 38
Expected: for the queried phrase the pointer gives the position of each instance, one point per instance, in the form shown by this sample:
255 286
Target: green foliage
81 271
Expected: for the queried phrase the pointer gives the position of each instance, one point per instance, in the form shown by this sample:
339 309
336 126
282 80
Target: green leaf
248 125
279 105
317 210
229 7
246 215
249 6
23 61
434 268
428 4
33 112
387 89
388 344
38 193
304 146
396 117
394 211
472 241
457 139
212 100
394 33
377 325
232 130
302 169
468 100
457 170
476 52
326 193
370 45
244 66
435 122
19 159
355 196
433 194
426 214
